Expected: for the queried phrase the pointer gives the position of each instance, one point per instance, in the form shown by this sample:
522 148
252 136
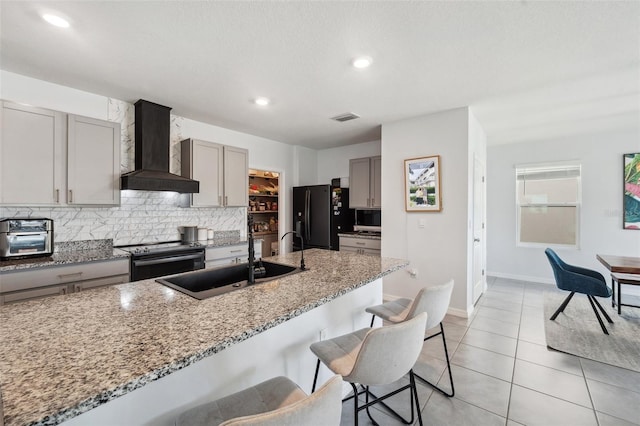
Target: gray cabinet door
375 182
359 176
204 162
93 161
236 177
31 155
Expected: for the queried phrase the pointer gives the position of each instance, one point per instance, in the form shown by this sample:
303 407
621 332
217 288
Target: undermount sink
214 282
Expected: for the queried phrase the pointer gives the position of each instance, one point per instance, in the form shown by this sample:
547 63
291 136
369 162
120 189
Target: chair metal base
367 392
446 353
380 400
594 302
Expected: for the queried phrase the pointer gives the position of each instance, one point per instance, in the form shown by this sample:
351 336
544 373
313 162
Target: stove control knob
146 249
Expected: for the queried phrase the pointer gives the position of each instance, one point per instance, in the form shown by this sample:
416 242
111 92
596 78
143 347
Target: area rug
576 331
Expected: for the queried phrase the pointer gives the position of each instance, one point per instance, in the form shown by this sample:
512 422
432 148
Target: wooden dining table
624 270
620 264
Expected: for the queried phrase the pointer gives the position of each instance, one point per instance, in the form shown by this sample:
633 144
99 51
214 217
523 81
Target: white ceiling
529 70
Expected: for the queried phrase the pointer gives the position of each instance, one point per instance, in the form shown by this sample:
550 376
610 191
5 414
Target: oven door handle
167 260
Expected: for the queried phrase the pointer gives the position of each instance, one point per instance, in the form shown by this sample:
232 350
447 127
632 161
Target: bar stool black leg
315 378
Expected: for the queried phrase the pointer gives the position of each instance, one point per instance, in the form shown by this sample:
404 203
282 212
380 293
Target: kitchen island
141 352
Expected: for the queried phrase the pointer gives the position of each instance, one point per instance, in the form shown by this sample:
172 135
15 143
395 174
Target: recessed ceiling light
262 101
56 20
362 62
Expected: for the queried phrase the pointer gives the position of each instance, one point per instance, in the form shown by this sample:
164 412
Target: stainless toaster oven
25 237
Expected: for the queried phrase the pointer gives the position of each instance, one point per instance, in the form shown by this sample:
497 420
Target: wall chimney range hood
152 122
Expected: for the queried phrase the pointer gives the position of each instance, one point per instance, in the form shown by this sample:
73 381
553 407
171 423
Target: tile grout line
586 383
515 357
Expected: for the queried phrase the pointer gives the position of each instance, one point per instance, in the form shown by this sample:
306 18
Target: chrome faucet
302 267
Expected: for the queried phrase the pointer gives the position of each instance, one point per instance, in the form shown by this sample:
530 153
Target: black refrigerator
319 213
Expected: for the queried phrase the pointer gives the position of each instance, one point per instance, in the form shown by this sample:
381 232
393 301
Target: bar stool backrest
323 407
434 301
388 353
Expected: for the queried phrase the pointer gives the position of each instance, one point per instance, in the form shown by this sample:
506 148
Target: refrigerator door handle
307 214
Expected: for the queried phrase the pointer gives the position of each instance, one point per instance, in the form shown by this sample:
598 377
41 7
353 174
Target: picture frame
631 191
422 184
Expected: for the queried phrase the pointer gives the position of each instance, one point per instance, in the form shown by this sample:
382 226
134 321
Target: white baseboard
459 312
630 290
521 278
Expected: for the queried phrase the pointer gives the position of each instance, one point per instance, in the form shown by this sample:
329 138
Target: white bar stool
369 357
275 402
432 300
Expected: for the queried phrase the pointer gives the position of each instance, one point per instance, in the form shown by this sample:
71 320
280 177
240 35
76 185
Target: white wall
601 214
263 154
438 251
334 162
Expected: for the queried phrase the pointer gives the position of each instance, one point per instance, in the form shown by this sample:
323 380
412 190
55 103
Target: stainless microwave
25 237
368 220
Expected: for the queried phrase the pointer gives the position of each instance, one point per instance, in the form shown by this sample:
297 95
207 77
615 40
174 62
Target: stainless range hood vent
151 172
345 117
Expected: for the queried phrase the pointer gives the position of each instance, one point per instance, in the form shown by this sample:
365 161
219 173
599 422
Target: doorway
479 243
264 207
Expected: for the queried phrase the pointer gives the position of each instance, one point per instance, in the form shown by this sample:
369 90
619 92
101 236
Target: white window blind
548 204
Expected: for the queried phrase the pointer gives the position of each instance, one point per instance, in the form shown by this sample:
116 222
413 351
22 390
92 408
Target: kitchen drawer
32 278
365 243
223 262
36 293
100 282
237 250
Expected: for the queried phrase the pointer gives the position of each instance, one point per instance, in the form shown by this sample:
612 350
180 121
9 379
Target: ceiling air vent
345 117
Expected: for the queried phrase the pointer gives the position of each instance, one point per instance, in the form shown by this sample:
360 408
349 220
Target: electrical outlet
323 334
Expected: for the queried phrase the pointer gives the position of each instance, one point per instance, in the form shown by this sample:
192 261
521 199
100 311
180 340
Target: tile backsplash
143 216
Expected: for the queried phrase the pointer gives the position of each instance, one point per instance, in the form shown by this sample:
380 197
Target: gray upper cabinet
204 162
236 176
223 173
365 183
93 172
49 158
32 159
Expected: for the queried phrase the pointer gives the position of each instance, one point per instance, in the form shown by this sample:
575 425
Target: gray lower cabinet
230 255
360 245
26 284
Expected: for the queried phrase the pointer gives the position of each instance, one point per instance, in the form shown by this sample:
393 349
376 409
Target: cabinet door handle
373 202
226 200
71 195
63 290
77 288
57 195
74 274
360 244
236 251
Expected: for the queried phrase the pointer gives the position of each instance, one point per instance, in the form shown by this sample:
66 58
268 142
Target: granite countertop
57 361
68 253
79 253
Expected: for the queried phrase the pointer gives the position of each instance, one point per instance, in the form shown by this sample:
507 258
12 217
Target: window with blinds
548 204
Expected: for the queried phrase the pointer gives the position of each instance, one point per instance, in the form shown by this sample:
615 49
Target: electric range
166 258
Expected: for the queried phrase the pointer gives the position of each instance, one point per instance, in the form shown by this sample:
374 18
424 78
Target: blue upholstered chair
579 280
